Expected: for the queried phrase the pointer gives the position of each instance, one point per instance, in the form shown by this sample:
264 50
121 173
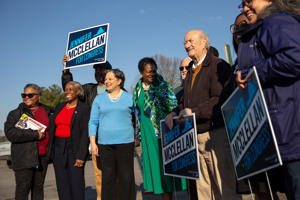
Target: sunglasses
183 67
23 95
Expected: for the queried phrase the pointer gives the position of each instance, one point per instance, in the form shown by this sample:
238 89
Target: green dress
153 175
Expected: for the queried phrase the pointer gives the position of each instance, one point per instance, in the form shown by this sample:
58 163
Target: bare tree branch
168 67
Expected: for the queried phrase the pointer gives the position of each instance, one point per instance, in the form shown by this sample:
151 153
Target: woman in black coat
29 148
69 129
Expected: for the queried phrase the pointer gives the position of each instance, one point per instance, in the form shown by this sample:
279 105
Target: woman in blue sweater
111 117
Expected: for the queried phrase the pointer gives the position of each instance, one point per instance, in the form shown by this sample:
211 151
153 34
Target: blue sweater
113 120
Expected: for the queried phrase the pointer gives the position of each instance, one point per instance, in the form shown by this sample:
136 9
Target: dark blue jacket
272 45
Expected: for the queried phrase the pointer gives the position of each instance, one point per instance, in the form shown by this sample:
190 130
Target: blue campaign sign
180 148
252 141
87 46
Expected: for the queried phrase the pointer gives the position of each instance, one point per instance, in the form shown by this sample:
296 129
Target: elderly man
203 87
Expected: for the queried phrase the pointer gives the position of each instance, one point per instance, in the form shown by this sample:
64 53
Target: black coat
24 147
79 130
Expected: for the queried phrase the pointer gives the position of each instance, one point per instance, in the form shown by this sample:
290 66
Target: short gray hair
204 36
78 86
34 86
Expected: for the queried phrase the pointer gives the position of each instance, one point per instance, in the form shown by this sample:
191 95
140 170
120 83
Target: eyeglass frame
236 28
30 95
243 4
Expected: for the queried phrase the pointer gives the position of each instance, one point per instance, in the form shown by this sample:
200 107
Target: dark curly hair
145 61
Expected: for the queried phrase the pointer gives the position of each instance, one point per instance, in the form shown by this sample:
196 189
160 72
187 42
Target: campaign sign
87 46
252 141
180 148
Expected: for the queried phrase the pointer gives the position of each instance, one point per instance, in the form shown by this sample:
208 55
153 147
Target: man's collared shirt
194 66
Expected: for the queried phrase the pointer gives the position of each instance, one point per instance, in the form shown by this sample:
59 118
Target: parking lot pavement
7 184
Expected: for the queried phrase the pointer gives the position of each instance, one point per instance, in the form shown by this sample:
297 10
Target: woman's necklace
71 106
145 87
115 98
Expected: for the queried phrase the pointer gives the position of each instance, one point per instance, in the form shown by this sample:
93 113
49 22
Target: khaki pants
98 177
217 178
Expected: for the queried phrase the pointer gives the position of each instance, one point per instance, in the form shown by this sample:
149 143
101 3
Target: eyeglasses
237 28
183 67
243 4
23 95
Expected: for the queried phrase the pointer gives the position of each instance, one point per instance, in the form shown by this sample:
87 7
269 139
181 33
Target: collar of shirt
194 66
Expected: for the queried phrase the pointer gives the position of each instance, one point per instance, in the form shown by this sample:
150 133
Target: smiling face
253 8
111 82
195 45
148 74
34 100
71 92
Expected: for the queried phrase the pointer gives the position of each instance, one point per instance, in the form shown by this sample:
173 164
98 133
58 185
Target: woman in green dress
153 100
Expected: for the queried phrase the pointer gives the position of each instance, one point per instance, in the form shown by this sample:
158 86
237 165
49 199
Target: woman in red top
70 147
29 148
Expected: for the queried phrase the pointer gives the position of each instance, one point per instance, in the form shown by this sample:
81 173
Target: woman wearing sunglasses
29 148
272 45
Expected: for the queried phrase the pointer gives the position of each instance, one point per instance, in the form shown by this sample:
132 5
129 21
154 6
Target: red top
41 116
63 122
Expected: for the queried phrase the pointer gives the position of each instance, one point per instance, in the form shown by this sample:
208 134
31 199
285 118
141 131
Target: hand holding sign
242 83
65 59
180 147
169 120
250 133
186 111
87 46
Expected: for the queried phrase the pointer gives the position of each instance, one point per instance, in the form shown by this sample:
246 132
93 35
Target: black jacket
24 147
79 129
90 89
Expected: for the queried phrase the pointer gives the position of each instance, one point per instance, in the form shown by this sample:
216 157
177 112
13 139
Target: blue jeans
292 178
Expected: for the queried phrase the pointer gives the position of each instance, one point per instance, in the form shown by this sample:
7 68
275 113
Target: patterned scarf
159 100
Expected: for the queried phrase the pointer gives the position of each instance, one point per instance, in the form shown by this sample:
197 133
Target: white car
5 152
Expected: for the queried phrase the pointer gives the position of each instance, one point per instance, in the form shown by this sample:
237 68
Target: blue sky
34 34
